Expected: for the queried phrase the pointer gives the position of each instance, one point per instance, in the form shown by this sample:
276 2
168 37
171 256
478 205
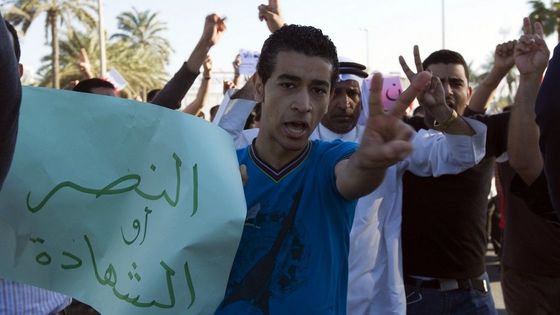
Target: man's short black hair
12 30
86 86
307 40
446 56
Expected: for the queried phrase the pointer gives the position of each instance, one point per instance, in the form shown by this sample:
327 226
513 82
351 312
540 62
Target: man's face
455 84
344 108
294 99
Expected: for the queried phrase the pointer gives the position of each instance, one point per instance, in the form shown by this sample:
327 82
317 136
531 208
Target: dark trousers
530 294
426 301
78 308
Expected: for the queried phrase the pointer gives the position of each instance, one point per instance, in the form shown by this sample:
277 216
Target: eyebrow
454 79
451 78
346 88
290 77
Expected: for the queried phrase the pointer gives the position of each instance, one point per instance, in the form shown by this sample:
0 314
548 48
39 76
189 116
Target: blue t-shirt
293 254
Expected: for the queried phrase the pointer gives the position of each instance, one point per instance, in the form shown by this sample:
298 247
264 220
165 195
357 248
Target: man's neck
274 154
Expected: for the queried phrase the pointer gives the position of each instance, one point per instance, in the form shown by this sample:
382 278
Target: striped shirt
23 299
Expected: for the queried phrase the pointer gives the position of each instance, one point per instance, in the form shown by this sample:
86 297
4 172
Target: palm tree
70 44
141 68
548 16
503 97
136 66
58 12
142 31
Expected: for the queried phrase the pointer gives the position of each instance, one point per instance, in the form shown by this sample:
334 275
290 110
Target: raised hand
432 95
214 27
207 66
236 63
236 75
228 85
531 53
503 56
272 15
386 139
84 64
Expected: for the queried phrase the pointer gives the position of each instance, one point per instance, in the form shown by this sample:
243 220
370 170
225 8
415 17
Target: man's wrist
494 77
445 123
533 76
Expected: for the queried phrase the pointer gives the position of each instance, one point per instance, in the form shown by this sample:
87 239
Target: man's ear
259 88
20 69
470 93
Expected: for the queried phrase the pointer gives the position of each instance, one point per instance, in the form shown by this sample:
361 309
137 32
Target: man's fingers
391 152
221 23
84 55
539 29
437 89
417 86
267 14
510 46
526 43
375 99
406 69
527 29
417 59
402 131
498 50
522 46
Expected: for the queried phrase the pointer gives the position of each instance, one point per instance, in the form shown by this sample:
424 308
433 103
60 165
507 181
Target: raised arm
85 65
548 117
531 57
10 89
202 95
176 89
236 76
503 62
386 140
272 15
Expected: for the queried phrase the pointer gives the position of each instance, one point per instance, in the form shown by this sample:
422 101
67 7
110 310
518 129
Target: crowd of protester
375 212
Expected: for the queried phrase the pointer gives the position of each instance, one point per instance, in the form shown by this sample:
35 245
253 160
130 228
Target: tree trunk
53 19
556 12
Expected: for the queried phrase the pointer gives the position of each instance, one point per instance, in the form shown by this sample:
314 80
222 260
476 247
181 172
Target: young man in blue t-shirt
292 258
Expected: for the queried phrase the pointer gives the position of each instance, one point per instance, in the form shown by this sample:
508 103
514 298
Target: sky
373 32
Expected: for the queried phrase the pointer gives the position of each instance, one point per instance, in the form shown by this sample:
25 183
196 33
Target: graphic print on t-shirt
257 286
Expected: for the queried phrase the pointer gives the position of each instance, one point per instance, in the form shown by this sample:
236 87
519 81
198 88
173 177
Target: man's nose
302 102
343 102
447 88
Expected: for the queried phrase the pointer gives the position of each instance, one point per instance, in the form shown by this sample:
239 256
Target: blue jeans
424 301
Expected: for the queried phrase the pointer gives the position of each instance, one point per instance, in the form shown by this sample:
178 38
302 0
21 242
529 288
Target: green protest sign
129 207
